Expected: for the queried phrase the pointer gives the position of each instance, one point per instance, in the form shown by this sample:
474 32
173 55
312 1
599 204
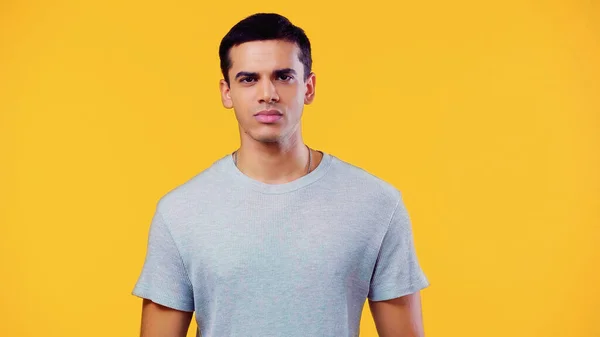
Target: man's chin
269 139
274 135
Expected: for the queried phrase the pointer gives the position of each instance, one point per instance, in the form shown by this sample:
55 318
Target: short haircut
262 27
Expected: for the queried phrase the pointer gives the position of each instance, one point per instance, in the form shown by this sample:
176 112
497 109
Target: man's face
267 90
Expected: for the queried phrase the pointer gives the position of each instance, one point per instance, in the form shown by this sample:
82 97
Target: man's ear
225 94
310 83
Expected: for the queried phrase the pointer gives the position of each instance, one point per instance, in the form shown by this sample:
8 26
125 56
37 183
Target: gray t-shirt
293 259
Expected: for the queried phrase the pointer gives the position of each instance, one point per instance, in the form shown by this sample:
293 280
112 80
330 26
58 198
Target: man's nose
268 92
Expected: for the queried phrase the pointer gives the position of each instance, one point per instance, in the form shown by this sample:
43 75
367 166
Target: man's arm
398 317
161 321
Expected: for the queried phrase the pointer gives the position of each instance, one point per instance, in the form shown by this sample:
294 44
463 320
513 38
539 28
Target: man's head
267 78
263 27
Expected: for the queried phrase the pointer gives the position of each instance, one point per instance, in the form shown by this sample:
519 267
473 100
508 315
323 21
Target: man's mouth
268 116
268 113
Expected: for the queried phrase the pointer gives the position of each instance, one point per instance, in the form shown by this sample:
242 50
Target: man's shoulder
201 186
364 181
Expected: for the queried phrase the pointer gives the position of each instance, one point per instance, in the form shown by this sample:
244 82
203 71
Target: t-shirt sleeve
397 271
163 278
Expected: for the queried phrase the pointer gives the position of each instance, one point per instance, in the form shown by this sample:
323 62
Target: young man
276 238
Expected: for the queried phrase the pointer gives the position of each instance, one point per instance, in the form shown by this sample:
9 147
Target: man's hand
398 317
161 321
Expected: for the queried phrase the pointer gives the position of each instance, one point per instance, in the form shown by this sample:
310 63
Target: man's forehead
264 55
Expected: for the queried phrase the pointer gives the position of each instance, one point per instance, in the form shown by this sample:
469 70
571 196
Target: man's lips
268 113
268 116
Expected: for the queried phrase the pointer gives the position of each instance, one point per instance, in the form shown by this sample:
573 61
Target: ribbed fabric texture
294 259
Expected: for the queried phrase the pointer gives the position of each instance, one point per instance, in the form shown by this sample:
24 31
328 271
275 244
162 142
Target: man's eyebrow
276 72
246 73
285 71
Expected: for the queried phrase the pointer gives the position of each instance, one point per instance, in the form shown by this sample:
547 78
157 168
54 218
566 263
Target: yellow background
485 114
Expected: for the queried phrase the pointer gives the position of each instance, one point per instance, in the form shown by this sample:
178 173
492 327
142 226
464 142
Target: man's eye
247 80
285 77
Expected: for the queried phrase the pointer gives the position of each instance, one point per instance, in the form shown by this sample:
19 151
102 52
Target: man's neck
274 163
